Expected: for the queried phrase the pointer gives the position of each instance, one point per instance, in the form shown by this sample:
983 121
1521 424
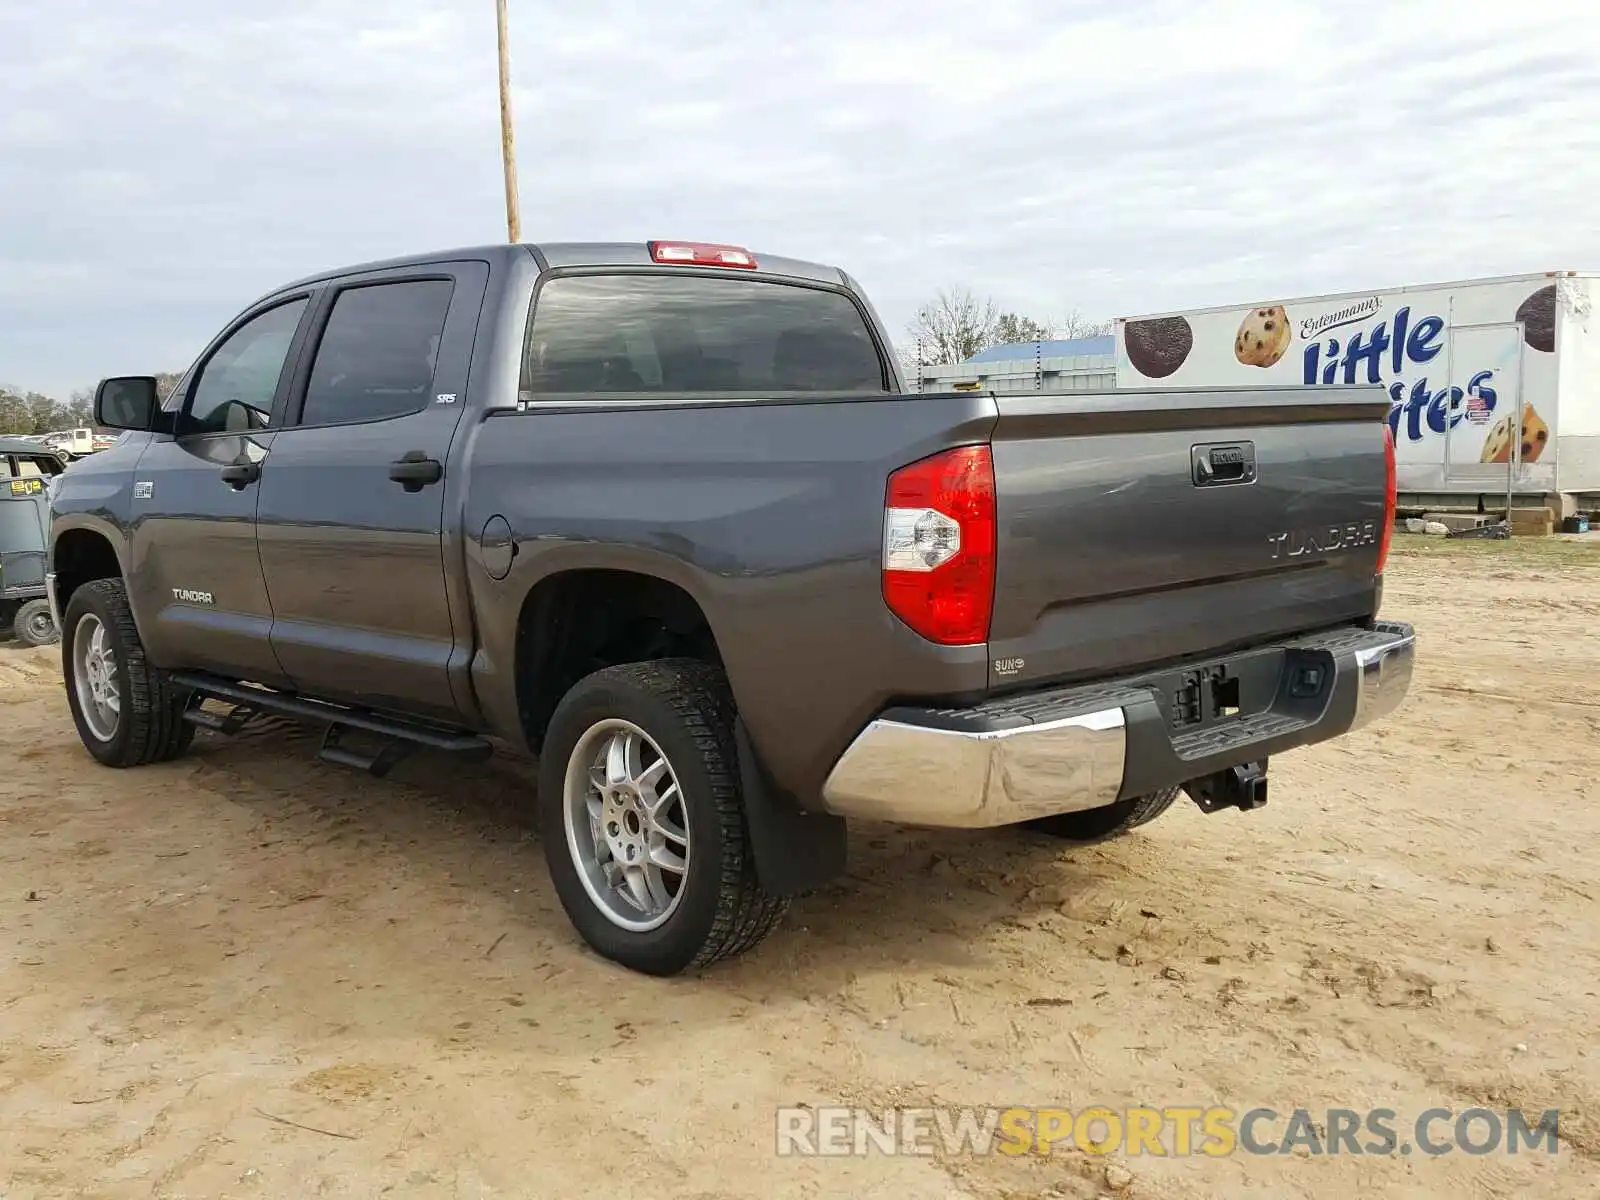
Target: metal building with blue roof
1060 365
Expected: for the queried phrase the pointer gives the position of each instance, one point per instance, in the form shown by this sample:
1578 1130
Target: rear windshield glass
664 333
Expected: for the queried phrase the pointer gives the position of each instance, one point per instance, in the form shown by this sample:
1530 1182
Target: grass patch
1561 552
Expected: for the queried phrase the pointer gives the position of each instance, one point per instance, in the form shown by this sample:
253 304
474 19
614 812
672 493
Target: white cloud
163 162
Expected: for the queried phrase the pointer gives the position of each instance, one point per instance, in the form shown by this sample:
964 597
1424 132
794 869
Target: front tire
34 626
1102 824
127 712
642 820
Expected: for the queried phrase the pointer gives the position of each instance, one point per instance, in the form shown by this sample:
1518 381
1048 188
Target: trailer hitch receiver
1243 787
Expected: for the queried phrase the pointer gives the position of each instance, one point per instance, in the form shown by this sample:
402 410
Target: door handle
414 470
239 474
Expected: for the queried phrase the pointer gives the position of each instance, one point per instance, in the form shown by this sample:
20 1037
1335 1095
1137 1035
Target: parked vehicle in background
665 514
26 469
74 443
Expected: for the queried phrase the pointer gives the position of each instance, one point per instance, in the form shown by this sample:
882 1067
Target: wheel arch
578 620
652 617
80 553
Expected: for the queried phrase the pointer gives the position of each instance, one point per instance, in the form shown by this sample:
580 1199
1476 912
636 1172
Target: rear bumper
1083 747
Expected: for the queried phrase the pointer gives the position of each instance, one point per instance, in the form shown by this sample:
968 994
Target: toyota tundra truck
665 515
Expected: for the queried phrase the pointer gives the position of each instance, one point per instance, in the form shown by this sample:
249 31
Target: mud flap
795 851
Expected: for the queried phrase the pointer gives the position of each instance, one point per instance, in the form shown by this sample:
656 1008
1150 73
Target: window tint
27 466
22 529
378 352
237 384
660 333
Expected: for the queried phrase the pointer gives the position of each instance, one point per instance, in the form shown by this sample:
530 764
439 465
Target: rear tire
34 626
1102 824
127 712
707 905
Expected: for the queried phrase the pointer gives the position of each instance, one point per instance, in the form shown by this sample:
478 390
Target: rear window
663 333
22 524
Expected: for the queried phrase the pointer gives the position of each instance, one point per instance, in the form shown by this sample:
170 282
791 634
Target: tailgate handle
1213 464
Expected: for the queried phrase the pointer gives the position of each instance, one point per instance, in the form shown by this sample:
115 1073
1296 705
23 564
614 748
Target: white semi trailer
1495 382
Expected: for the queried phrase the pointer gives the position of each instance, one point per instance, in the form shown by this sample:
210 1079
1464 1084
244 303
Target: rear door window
654 333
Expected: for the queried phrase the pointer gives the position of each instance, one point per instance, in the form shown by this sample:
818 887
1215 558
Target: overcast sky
162 162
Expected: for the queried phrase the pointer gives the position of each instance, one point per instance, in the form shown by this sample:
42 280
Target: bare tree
953 326
957 324
1076 325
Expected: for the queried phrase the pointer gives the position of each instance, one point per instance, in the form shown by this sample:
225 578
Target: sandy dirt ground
249 974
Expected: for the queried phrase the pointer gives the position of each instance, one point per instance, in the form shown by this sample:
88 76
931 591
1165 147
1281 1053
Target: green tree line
30 414
27 413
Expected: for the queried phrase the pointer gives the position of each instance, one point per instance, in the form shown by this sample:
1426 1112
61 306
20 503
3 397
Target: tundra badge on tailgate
1294 543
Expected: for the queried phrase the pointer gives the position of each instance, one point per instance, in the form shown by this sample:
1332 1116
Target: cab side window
377 355
236 387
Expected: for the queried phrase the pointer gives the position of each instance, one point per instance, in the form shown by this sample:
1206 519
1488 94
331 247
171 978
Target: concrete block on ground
1457 522
1532 522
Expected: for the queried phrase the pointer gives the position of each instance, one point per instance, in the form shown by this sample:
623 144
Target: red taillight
1389 498
939 545
702 254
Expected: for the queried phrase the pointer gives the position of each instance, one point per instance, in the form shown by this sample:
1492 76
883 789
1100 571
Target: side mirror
127 402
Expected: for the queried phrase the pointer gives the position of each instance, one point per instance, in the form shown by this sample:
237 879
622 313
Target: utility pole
508 150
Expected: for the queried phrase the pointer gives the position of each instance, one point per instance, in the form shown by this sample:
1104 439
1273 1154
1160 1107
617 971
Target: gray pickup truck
664 514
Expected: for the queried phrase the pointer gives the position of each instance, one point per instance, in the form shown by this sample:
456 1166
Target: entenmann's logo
1360 311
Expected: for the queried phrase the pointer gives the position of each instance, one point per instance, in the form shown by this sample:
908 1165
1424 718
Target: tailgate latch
1214 464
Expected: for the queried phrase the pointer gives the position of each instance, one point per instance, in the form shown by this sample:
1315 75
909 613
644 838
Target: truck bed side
768 513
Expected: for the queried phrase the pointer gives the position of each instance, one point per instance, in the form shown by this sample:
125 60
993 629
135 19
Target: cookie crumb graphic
1159 346
1538 316
1264 335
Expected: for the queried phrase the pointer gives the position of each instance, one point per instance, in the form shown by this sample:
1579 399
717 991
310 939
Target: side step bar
399 736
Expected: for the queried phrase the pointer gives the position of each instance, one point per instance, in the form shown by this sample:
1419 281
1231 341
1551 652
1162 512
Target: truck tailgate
1142 526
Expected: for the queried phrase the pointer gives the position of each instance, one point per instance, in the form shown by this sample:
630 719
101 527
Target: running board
400 737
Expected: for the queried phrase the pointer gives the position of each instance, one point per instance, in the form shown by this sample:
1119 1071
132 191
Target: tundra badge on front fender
187 596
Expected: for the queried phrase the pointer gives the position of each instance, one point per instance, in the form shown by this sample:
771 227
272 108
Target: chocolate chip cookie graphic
1535 437
1159 346
1263 336
1538 316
